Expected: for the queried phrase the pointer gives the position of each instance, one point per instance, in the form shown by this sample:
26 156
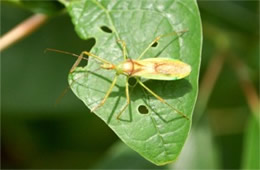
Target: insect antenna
64 52
68 87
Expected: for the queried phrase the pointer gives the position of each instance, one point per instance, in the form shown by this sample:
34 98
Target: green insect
149 68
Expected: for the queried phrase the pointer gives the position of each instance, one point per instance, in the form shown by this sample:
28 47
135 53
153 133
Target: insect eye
155 44
143 109
106 29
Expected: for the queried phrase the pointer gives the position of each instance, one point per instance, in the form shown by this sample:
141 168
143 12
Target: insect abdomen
161 69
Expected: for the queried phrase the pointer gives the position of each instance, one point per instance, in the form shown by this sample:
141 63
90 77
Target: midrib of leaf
108 17
143 10
160 136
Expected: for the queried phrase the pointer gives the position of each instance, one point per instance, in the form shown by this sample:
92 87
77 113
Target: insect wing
161 69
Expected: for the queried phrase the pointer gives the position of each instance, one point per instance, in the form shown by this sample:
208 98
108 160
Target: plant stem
208 82
22 30
246 84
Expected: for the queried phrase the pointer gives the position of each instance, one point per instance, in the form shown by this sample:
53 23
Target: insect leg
149 46
127 99
76 62
64 92
107 94
80 57
122 42
161 99
156 40
89 54
68 87
95 56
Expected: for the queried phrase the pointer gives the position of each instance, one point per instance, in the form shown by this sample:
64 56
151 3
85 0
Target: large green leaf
159 135
251 145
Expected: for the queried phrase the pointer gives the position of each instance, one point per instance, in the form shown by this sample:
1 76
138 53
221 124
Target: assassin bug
149 68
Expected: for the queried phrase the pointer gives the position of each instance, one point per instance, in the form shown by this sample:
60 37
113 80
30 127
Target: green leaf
159 135
251 146
200 142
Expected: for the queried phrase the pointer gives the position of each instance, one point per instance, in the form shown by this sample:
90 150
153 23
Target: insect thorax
125 67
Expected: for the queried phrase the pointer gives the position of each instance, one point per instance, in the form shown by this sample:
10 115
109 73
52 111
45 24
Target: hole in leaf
106 29
131 81
143 109
155 44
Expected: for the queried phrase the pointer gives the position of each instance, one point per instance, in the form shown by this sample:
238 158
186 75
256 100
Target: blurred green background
38 133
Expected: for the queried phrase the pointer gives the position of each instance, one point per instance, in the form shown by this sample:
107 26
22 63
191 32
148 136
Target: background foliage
38 134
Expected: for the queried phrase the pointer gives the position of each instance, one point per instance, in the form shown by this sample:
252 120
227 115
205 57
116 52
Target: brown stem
208 82
222 43
22 30
246 84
